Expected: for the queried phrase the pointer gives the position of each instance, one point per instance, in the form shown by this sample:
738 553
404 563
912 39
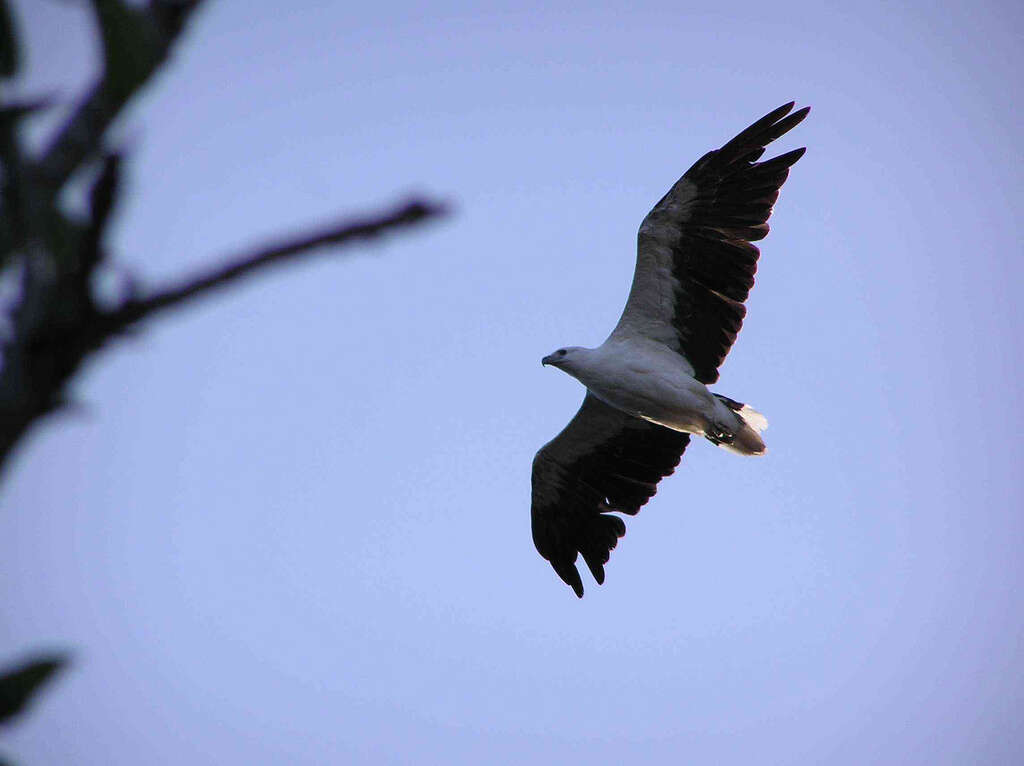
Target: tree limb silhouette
341 233
19 685
54 322
37 366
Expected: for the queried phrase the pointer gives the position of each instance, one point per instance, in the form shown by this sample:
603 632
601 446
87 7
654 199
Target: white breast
649 381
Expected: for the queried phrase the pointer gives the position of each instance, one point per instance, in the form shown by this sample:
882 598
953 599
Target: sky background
291 524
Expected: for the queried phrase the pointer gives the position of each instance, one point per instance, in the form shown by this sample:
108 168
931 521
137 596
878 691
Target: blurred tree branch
19 685
54 323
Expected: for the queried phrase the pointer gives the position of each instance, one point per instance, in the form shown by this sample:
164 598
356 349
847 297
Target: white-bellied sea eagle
647 383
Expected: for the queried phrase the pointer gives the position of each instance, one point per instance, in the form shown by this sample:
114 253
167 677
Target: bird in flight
647 383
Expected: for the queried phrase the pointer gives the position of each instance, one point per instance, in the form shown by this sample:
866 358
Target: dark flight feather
705 226
604 461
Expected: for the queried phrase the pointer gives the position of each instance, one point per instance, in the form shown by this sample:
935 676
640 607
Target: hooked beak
549 359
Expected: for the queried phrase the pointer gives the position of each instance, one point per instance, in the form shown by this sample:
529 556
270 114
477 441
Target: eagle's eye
561 352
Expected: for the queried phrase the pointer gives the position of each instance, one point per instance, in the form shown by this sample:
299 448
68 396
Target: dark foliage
55 323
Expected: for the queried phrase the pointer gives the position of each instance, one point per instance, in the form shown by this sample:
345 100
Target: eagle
647 384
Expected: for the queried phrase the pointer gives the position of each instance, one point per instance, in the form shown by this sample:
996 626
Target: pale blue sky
291 525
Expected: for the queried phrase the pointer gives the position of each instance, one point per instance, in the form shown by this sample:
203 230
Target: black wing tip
749 143
570 575
778 123
785 109
793 120
790 158
775 116
596 568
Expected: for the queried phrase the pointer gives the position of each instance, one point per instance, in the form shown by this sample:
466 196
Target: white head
567 358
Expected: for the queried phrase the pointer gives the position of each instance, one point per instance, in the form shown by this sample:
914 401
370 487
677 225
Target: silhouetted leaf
10 52
131 44
18 686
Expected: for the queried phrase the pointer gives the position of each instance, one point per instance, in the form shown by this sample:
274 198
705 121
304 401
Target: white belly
655 385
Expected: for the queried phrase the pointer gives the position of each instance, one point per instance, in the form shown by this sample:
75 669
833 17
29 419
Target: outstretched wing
695 262
603 461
